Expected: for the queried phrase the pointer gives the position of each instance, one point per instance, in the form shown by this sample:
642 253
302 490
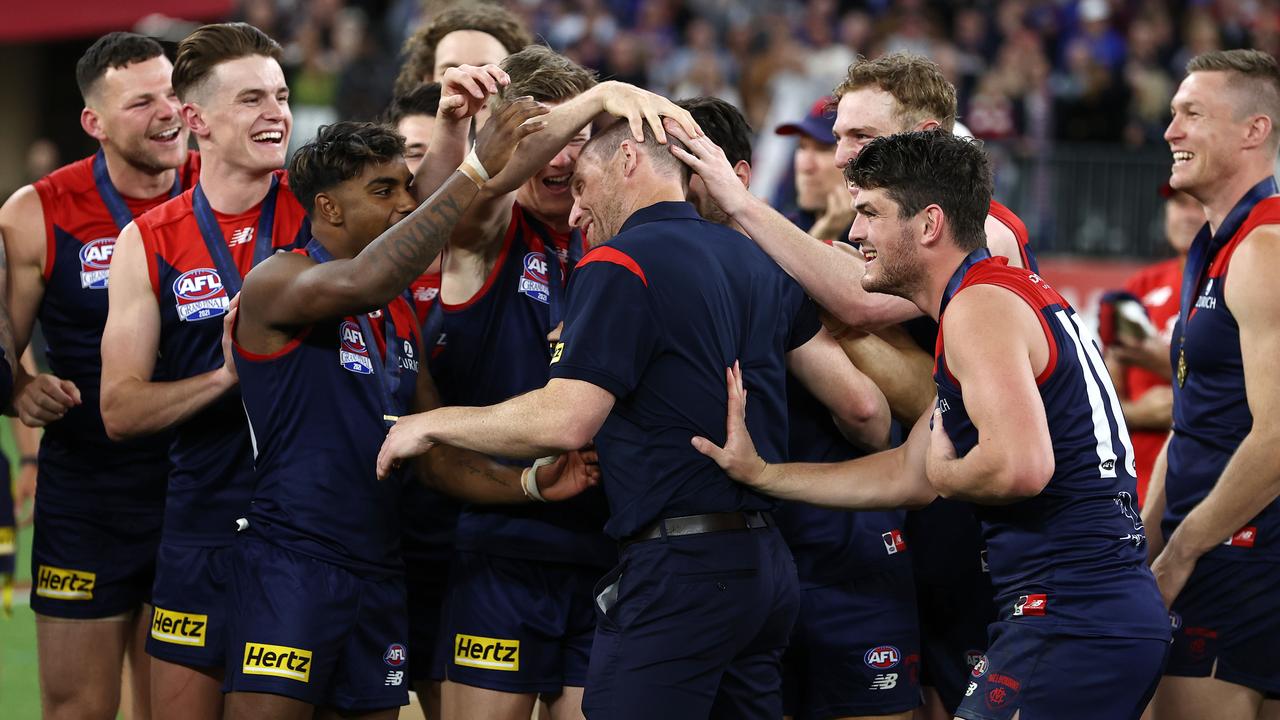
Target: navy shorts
1050 676
426 579
954 619
88 564
314 631
1227 616
189 623
694 627
518 626
855 649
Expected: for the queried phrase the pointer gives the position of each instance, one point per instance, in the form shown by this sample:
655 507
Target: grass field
19 688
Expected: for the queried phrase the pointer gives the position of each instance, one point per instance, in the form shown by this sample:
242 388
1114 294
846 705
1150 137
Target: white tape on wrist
473 161
529 478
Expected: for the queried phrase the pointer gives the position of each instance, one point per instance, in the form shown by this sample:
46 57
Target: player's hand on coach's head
709 162
45 399
507 126
738 457
638 106
464 89
570 475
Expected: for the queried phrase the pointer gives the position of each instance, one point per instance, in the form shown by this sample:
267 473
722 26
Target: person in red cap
1137 349
821 198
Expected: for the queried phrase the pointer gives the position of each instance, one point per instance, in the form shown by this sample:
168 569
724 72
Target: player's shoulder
166 214
75 177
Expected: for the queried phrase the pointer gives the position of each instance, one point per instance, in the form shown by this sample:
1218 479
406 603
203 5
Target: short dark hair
338 153
724 124
113 50
422 100
208 46
611 137
488 18
922 168
544 75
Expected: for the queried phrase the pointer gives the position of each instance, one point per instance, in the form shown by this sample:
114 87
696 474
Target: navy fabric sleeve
610 330
806 323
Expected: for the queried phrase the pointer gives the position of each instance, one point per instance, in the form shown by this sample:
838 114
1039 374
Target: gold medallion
1182 367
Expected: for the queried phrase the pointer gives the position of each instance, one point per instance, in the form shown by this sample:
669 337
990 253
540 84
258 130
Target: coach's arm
1251 480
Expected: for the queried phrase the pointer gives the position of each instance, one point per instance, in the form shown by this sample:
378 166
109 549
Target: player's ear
91 122
1258 131
328 210
193 117
743 170
931 231
928 125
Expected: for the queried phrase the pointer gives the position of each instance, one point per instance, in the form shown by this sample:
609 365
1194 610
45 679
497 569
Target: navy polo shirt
655 316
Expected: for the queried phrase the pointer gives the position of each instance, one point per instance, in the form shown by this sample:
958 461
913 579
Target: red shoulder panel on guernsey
607 254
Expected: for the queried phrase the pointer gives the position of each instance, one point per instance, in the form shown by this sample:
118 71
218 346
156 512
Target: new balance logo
241 236
395 678
885 681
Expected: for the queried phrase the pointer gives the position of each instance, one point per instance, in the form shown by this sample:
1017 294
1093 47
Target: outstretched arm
886 480
291 290
463 92
856 404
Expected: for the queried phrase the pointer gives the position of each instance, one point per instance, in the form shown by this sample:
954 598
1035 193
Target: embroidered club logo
534 280
95 263
1002 689
396 655
352 352
200 295
882 657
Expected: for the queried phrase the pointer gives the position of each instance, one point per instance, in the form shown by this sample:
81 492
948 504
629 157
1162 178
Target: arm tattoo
404 251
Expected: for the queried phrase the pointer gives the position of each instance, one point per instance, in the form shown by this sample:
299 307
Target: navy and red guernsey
637 326
1073 558
494 347
196 258
83 214
1210 407
1011 220
316 412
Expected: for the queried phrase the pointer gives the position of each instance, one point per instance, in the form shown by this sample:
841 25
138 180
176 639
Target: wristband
471 174
28 460
529 478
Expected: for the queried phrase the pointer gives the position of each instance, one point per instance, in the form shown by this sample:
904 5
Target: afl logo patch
352 352
882 657
533 282
396 655
200 295
95 262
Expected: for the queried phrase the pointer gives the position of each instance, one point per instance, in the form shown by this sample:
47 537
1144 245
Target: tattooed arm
292 291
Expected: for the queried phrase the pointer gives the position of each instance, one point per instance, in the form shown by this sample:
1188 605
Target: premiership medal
1182 367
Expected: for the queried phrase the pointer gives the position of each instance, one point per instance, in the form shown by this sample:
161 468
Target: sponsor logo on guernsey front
1207 301
893 542
200 295
64 584
486 653
1031 605
533 282
277 660
353 354
95 263
1245 537
882 657
179 628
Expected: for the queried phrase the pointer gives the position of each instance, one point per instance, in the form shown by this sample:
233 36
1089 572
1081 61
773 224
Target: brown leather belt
698 524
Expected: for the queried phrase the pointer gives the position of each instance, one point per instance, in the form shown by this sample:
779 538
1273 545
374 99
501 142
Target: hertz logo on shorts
486 653
179 628
277 661
64 584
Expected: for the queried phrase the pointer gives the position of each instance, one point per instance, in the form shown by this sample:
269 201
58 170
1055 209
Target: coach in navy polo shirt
693 621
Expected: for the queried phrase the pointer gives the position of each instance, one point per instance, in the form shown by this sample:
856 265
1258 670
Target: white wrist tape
473 161
529 478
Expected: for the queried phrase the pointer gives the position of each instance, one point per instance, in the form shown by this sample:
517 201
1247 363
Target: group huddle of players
521 395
